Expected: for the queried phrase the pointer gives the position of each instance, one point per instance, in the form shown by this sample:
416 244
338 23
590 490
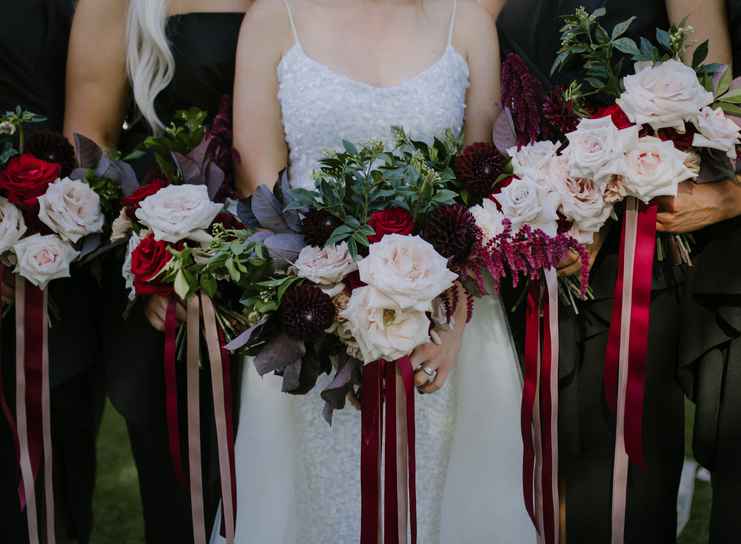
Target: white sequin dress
298 478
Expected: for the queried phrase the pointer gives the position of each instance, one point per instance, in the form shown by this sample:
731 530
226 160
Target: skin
493 6
357 52
697 205
97 84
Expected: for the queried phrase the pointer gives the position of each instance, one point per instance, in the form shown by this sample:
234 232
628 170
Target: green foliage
12 132
109 192
184 134
354 183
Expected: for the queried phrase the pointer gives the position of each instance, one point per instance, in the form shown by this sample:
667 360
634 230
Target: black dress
711 353
586 427
204 46
33 50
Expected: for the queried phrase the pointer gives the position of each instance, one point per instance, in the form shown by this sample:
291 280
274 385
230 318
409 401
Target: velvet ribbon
4 406
539 419
627 348
171 390
392 385
33 405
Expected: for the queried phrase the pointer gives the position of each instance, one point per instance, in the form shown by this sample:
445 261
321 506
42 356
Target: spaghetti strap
452 23
293 22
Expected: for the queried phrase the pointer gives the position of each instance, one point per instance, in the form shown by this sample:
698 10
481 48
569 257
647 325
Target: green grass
118 517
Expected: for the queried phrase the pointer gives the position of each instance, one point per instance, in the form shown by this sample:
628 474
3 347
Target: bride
311 73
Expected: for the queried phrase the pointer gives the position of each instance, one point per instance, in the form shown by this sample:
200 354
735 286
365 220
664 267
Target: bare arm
258 128
710 21
494 6
478 35
96 71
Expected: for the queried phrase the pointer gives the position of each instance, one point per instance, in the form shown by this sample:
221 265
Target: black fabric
204 46
586 427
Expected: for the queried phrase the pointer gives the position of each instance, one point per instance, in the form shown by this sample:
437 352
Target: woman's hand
156 311
698 205
434 361
571 264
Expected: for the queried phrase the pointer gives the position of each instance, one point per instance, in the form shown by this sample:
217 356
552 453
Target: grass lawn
118 517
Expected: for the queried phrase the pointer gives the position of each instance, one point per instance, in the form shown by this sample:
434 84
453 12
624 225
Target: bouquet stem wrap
391 384
220 364
540 410
33 409
625 361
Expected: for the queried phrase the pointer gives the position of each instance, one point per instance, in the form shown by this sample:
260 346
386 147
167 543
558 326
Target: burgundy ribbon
171 391
532 334
4 406
380 383
229 408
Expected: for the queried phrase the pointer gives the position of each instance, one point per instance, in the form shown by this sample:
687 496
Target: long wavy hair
149 60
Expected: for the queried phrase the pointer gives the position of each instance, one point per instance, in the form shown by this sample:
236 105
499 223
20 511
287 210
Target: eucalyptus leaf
281 351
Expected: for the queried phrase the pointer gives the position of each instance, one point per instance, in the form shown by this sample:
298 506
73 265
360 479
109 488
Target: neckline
449 50
205 13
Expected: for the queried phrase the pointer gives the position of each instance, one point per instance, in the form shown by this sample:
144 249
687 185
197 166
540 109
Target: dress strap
452 23
293 22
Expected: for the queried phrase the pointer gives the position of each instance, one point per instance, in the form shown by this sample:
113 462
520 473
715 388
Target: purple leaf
335 394
268 210
292 376
279 353
240 341
505 136
285 247
87 152
260 236
244 212
90 244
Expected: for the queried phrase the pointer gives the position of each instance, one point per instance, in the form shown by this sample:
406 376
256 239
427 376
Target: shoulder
268 22
109 12
474 26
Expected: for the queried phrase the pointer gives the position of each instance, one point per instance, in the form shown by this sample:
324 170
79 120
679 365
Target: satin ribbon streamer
625 361
33 405
539 419
171 390
381 385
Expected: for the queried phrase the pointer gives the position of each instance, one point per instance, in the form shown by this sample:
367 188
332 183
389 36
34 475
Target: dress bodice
531 28
33 51
322 107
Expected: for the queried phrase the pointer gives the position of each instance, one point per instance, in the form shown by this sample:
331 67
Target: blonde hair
149 60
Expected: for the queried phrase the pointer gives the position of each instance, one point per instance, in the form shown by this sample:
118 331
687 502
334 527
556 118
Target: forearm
710 22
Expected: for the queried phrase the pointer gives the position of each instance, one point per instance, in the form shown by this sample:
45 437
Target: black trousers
587 461
76 409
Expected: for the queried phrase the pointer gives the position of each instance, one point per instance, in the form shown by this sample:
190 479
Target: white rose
583 203
12 225
7 128
71 209
717 132
595 144
664 95
128 276
531 159
654 168
325 266
44 258
121 226
526 202
177 212
488 219
381 328
408 270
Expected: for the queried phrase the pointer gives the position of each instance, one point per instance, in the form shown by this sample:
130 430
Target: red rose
393 221
147 260
26 178
619 119
134 200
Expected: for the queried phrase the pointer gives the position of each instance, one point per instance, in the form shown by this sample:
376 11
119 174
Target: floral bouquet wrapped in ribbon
56 203
183 244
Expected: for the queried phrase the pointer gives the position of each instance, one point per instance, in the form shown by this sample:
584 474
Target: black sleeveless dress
33 51
711 352
586 427
204 47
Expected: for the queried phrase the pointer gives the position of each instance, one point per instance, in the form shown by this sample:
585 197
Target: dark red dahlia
52 147
478 168
452 231
306 311
682 141
228 221
318 226
559 115
522 95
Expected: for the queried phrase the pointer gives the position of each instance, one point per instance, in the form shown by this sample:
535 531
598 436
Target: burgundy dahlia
522 95
559 115
478 168
306 311
452 231
318 226
52 147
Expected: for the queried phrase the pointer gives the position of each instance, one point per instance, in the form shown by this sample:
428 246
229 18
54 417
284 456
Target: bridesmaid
33 47
711 351
586 429
178 54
